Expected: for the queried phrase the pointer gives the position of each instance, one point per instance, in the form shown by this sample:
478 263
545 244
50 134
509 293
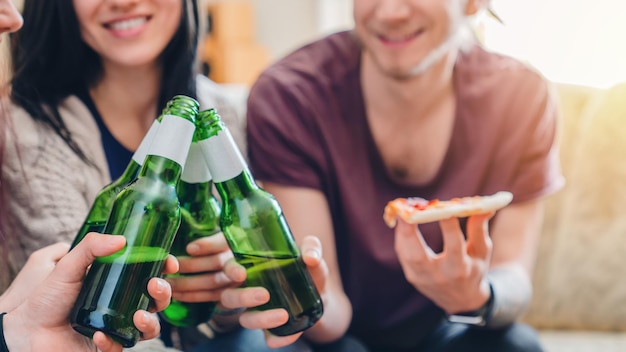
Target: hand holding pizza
455 278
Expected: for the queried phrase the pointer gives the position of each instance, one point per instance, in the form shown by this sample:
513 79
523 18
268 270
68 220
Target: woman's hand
206 260
40 320
250 297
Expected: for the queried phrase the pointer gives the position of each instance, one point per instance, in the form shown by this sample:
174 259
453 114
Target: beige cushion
582 341
579 277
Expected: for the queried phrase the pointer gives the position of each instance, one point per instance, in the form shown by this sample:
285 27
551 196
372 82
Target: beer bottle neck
223 157
131 173
237 187
230 172
134 166
166 156
161 168
194 192
140 154
196 170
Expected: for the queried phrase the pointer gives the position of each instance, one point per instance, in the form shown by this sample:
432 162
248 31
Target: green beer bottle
101 206
147 213
257 233
200 213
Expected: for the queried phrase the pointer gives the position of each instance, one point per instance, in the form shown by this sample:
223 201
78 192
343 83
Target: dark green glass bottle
147 213
258 234
101 206
199 218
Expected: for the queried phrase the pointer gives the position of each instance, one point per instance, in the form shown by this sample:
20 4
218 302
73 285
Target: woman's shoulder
74 113
32 134
35 156
49 186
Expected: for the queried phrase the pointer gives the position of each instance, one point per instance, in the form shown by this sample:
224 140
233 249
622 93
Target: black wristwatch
476 317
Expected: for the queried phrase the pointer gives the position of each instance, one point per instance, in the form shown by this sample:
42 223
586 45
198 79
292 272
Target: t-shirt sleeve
283 142
537 172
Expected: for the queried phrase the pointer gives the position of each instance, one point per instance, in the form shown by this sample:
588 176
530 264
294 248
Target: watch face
469 320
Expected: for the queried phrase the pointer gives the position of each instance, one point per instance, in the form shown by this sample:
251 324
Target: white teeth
128 24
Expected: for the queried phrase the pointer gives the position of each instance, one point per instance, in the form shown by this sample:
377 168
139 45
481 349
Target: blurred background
573 42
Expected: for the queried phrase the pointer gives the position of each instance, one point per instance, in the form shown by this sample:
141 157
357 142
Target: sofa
579 300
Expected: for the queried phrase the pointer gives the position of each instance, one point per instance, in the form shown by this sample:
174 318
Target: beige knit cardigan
50 189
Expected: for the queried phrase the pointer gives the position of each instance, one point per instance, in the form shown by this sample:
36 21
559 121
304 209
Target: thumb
316 265
72 267
311 250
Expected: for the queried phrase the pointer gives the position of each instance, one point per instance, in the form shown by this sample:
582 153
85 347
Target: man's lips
399 40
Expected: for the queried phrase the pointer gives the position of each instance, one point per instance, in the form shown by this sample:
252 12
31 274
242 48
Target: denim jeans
447 337
244 340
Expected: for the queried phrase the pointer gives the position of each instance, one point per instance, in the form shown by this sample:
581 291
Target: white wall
284 25
570 41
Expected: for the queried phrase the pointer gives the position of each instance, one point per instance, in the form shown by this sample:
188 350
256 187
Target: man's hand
250 297
454 279
207 257
38 266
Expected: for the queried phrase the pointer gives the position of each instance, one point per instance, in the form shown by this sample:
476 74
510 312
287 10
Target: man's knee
518 338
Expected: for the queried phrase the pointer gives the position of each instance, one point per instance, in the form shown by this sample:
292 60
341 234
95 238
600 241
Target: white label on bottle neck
173 138
223 156
196 170
140 154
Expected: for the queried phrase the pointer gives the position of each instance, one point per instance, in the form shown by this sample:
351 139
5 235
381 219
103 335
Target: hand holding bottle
147 213
207 257
258 234
38 266
250 297
200 214
40 319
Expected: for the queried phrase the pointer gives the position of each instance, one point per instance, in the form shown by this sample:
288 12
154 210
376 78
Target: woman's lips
127 27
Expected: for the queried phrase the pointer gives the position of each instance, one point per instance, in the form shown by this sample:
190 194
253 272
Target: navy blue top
116 154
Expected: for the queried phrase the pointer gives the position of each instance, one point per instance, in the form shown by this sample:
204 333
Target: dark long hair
51 61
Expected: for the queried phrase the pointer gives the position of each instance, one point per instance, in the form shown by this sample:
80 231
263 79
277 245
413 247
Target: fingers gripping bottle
101 206
258 234
199 218
147 213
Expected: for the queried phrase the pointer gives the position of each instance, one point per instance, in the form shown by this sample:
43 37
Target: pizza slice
415 210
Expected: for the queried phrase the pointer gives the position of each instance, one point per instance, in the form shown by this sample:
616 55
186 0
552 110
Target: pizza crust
420 211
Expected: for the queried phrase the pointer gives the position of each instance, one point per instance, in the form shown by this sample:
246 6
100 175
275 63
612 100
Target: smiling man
409 104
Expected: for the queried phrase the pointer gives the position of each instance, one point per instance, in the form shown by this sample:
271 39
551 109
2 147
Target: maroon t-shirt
306 127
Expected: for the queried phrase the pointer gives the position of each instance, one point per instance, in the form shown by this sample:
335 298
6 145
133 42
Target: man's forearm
335 321
512 291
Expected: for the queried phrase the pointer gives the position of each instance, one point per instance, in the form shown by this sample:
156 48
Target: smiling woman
50 280
131 34
90 76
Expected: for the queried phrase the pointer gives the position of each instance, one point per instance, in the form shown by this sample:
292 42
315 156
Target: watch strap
476 317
